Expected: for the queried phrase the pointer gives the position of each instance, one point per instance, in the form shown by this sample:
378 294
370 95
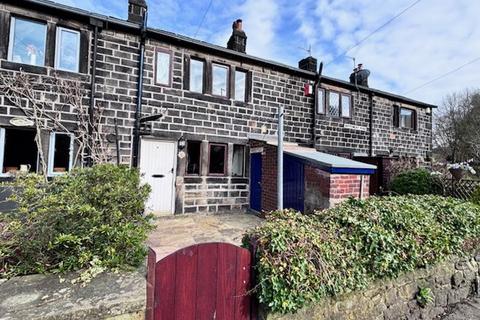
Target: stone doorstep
108 296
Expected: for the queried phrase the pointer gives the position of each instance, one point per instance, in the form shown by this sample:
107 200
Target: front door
157 166
256 181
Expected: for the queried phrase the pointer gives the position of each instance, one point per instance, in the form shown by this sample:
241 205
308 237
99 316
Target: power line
203 18
376 30
443 75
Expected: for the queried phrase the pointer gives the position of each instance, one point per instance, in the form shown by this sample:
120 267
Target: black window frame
225 160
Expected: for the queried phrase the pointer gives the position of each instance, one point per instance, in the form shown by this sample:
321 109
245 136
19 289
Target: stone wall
451 282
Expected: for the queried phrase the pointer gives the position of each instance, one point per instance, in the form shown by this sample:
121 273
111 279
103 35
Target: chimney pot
309 64
137 10
238 39
359 76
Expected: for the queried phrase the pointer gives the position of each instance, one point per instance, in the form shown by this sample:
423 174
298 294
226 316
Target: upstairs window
193 157
217 159
334 104
220 80
60 153
163 68
321 101
346 106
404 118
67 51
196 75
27 42
240 85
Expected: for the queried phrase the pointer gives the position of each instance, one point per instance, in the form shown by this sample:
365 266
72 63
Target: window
163 68
220 80
193 157
240 85
406 118
321 101
238 162
27 42
217 159
333 104
60 153
18 150
196 75
67 51
346 106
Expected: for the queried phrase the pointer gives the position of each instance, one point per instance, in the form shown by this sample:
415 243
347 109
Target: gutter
91 109
138 109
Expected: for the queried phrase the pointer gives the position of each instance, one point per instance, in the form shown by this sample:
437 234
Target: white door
157 166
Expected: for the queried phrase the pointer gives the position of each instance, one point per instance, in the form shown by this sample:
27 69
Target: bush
87 218
416 181
301 258
475 198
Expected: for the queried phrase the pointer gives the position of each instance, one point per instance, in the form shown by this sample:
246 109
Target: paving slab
469 310
176 232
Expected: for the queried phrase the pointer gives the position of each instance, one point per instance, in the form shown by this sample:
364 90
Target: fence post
151 266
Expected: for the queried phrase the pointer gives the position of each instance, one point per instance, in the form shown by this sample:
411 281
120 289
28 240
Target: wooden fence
461 189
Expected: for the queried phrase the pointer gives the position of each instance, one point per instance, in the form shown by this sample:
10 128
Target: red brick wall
269 174
344 186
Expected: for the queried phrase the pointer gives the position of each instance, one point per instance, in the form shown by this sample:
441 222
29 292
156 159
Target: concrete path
469 310
173 233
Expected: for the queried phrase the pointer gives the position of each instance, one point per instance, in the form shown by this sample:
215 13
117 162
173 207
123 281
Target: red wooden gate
203 281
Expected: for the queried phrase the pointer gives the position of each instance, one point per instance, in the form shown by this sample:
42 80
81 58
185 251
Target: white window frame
170 64
12 37
51 154
349 106
245 94
227 76
58 44
321 103
2 152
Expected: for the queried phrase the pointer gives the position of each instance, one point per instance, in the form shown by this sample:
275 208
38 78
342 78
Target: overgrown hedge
302 258
89 218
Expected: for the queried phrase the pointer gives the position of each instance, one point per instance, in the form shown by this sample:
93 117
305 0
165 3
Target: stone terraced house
203 131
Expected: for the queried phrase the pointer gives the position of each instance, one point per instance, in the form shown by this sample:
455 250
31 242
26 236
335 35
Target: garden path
173 233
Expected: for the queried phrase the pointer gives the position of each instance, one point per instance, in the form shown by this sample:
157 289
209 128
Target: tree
457 127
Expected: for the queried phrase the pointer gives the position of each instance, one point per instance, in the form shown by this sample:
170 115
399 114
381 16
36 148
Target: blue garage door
293 183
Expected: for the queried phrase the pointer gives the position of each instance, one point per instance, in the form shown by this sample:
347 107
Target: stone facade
203 116
450 282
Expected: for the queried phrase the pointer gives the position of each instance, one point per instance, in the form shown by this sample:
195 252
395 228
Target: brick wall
344 186
317 188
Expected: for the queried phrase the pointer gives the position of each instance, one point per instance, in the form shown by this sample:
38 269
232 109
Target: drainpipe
138 109
316 86
370 141
91 109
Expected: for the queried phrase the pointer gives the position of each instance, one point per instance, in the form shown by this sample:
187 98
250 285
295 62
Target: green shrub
87 218
302 258
475 198
416 181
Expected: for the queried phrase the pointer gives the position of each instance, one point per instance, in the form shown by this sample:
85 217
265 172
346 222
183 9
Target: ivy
303 258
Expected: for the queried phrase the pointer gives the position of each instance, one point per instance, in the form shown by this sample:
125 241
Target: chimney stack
309 64
359 76
238 39
137 9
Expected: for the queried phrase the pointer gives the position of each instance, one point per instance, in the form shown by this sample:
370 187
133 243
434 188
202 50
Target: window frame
412 115
246 91
225 155
339 103
324 93
58 31
244 160
51 154
204 69
2 152
350 107
199 160
170 67
11 34
227 79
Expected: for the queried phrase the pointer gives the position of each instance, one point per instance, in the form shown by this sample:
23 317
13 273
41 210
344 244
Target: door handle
158 175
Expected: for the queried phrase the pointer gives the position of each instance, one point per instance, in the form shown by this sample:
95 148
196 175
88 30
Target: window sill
208 98
69 74
16 66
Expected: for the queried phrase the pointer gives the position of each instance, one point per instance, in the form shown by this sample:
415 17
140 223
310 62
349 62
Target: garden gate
203 281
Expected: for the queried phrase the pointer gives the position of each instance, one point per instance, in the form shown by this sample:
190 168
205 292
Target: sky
430 39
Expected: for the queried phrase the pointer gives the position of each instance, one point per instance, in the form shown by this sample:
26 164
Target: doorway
256 181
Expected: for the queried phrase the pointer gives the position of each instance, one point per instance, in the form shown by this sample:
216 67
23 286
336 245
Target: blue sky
428 40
